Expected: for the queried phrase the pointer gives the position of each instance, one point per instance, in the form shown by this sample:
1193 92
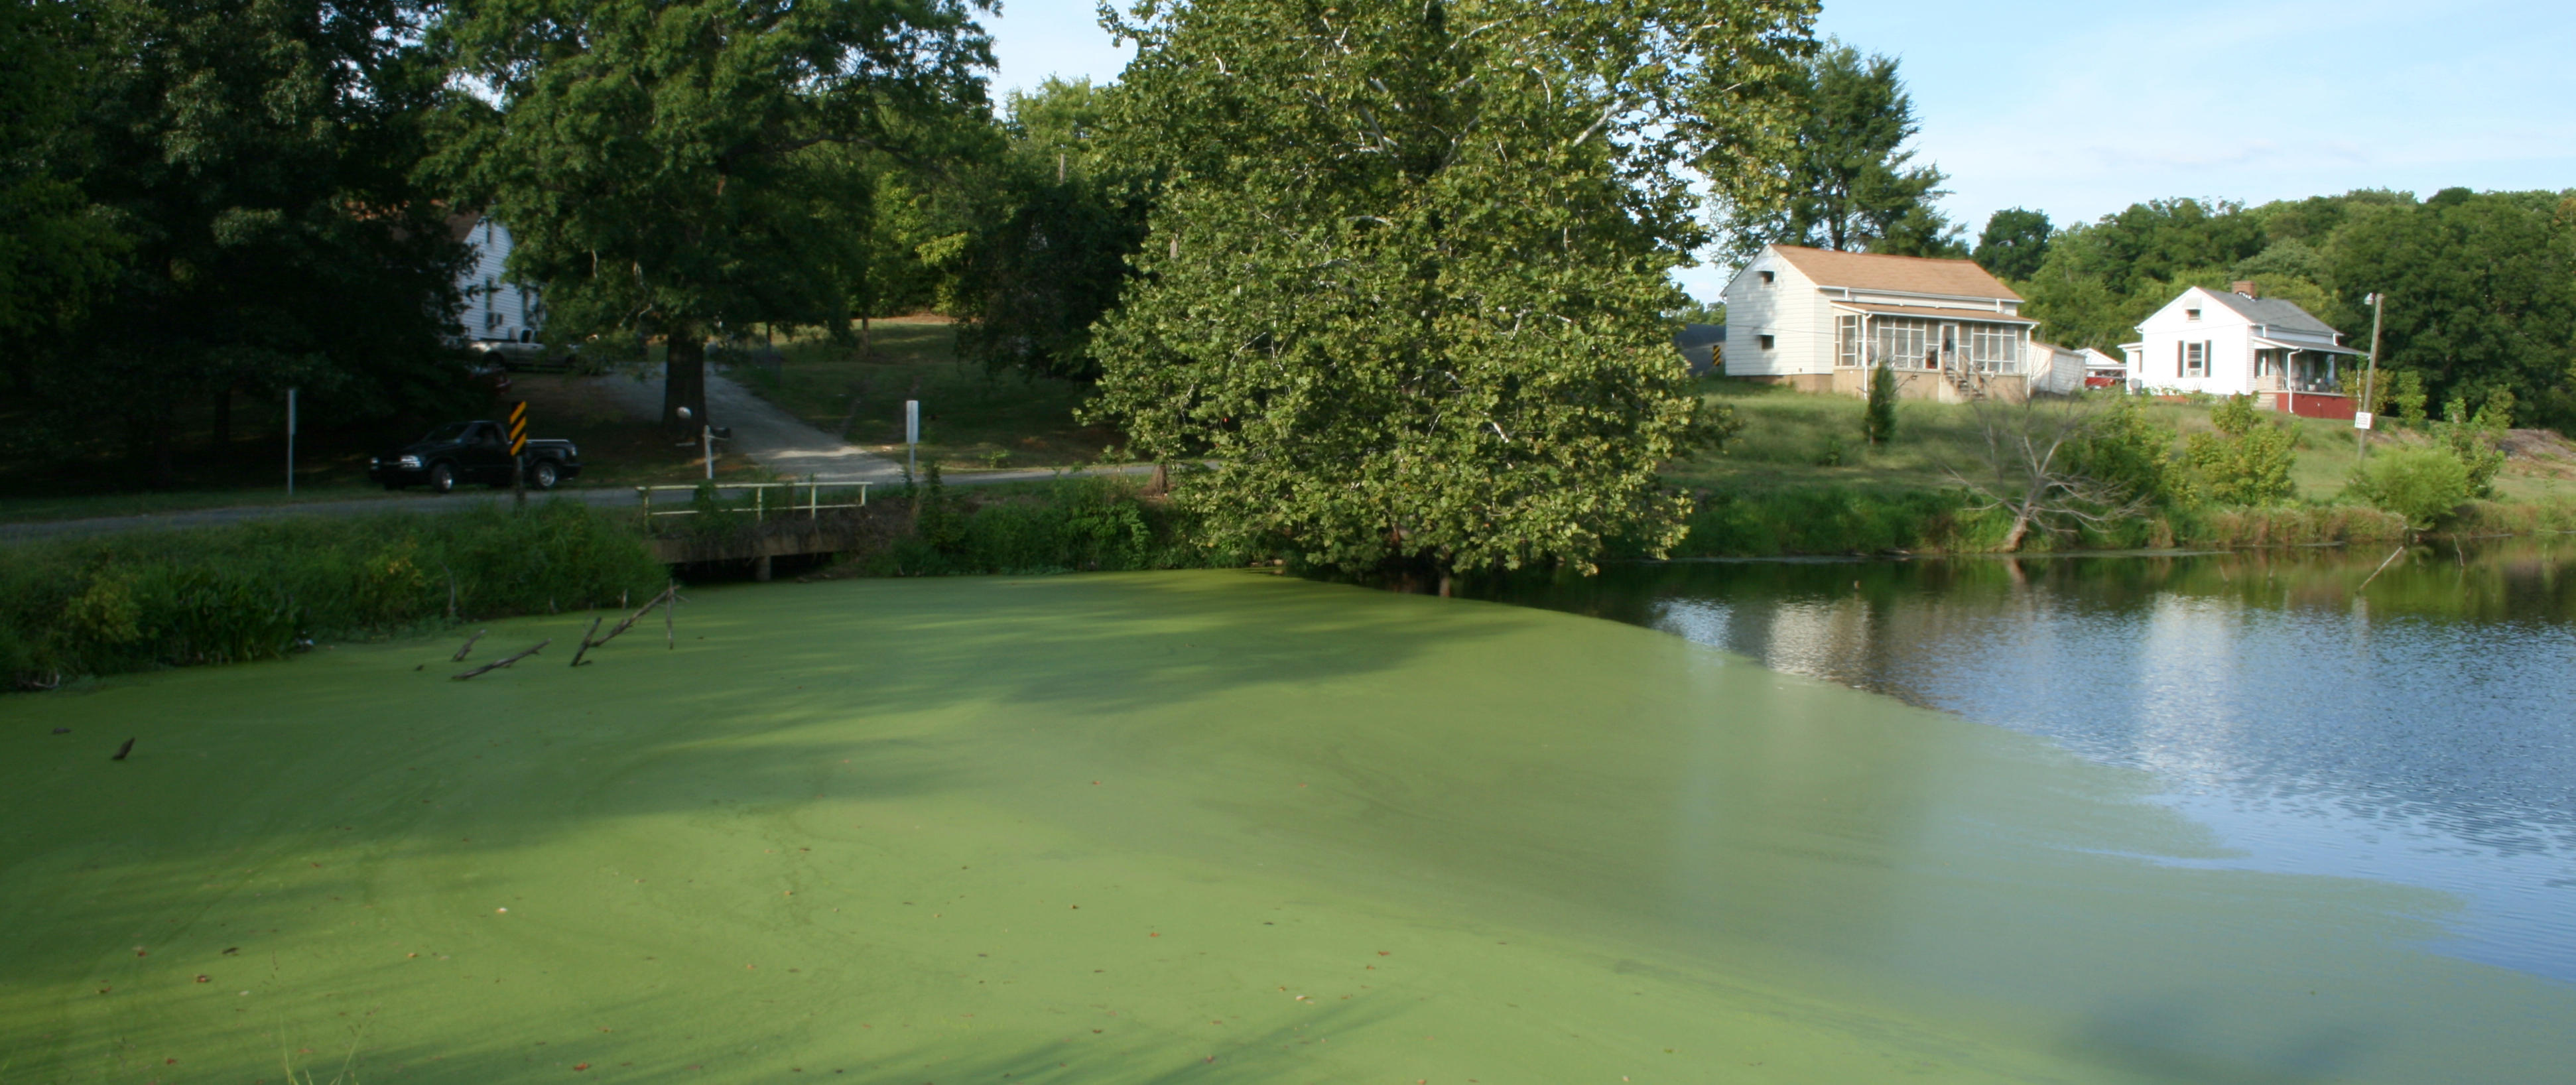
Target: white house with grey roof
1819 320
2241 343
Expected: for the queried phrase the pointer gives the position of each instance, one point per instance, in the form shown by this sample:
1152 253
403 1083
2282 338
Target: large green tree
2013 243
56 247
1050 253
673 166
1407 264
2481 293
1846 180
255 155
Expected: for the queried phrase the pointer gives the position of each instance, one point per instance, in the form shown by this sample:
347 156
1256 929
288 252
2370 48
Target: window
2195 359
2191 314
1766 278
1905 344
1847 339
1763 340
1995 348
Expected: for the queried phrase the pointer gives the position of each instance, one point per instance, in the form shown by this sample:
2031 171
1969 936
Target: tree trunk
164 471
867 338
684 383
2020 528
224 423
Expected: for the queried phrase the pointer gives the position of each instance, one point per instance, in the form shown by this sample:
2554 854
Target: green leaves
1404 280
1840 179
2247 462
676 164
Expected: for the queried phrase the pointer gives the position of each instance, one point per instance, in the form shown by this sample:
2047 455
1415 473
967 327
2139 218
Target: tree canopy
252 159
1404 277
668 166
2481 286
1845 181
2013 243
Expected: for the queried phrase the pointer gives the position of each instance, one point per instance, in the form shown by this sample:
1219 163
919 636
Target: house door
1950 347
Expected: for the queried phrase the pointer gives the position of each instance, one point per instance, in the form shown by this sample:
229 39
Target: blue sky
2080 109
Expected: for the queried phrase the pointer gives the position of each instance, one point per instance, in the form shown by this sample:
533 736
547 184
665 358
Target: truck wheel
541 474
442 478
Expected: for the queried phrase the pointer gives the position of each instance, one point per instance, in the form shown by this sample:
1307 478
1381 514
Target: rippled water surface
2419 728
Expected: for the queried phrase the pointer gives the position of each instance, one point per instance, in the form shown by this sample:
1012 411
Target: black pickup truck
472 452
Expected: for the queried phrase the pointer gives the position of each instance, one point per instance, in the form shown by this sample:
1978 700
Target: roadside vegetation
254 591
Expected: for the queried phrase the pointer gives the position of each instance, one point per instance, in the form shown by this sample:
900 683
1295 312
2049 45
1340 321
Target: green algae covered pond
1190 827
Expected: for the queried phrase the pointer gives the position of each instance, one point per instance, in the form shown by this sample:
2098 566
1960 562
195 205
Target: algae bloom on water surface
1199 826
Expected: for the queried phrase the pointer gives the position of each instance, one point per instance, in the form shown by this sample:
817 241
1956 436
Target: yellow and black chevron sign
518 427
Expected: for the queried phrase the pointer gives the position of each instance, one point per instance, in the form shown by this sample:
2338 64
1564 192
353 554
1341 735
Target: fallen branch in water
586 645
469 646
500 663
2383 567
627 623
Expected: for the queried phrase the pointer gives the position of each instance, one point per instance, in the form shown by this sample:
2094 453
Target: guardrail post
759 503
645 495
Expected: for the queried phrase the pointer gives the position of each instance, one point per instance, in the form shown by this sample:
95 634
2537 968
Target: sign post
911 435
2361 419
290 442
518 453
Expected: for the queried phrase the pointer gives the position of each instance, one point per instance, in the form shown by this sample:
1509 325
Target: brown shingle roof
1904 274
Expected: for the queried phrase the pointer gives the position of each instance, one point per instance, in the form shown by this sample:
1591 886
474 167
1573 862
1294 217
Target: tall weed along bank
257 591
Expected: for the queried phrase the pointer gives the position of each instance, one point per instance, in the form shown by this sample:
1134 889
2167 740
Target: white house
1820 320
2240 343
496 309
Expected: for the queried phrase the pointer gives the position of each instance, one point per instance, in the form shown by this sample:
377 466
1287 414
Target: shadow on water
951 817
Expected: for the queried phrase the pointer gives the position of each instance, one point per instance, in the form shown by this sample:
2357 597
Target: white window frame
2195 358
1902 342
1847 345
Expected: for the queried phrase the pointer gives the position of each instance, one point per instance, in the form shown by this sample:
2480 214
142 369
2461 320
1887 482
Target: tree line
1399 268
2480 286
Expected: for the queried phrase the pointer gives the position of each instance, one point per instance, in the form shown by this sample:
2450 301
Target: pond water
2419 730
1231 828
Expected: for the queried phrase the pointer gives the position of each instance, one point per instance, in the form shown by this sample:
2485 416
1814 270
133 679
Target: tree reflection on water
2325 715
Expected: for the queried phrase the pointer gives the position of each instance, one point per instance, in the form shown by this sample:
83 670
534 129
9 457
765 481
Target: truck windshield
453 431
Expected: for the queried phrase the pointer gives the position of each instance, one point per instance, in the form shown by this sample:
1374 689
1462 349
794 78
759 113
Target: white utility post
290 442
707 445
911 434
2361 420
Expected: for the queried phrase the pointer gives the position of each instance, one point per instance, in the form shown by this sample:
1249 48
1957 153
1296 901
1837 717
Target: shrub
2246 462
252 591
1879 419
2424 485
2123 449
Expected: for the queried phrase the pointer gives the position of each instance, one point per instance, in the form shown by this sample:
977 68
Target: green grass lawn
1795 439
971 419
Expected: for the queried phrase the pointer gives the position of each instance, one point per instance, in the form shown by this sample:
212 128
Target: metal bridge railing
810 507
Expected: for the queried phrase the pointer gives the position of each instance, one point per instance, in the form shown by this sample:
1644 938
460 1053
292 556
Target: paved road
778 440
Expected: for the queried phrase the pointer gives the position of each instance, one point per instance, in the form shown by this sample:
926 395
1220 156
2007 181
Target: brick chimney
2246 287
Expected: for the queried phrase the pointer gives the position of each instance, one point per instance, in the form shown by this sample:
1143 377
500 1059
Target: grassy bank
970 418
1800 479
257 591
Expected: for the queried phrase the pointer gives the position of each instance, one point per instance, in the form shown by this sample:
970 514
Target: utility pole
2370 377
290 442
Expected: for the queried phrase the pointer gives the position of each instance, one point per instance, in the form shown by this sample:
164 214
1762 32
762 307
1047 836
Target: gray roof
2275 312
